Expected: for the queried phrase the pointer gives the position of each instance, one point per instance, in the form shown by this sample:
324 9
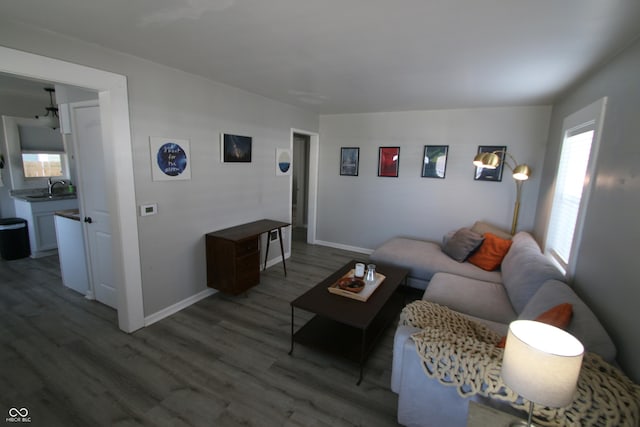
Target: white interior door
94 209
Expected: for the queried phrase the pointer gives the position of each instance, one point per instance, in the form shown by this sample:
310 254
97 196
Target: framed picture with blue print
349 161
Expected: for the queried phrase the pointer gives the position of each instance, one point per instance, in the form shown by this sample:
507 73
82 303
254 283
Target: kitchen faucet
52 184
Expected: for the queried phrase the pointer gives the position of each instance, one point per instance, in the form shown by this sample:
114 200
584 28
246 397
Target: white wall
606 272
366 210
172 103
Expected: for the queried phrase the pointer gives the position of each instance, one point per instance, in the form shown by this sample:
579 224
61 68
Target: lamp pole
516 207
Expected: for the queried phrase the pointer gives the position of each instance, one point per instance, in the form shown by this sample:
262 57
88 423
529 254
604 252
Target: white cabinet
39 215
73 261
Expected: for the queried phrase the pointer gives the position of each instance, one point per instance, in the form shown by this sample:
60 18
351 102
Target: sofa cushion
462 243
482 228
584 324
525 269
423 259
490 254
478 298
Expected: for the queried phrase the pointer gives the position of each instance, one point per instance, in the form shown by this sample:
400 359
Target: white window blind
581 132
569 187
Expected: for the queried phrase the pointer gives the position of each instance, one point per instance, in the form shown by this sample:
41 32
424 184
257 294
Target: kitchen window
40 165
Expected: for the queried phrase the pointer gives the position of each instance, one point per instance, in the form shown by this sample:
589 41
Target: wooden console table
233 255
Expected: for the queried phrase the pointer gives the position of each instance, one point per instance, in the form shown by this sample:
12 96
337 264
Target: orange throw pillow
491 253
558 316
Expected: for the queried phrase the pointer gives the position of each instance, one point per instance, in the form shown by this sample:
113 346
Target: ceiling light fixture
50 119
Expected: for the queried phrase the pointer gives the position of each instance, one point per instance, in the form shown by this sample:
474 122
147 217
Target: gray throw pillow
462 244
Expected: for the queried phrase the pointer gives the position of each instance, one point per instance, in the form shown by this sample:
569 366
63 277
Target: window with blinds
566 200
572 186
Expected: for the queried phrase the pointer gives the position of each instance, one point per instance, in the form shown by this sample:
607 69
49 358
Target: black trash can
14 238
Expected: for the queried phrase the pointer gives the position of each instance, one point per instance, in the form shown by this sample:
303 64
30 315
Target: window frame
588 118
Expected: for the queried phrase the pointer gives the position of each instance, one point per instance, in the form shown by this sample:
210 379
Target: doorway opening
300 188
305 148
114 113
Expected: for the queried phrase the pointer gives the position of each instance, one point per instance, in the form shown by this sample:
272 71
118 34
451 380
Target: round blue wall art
172 159
283 161
284 166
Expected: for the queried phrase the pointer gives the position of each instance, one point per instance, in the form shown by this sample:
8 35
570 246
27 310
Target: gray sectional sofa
526 285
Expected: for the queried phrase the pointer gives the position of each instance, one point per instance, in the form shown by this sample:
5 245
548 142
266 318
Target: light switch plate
150 209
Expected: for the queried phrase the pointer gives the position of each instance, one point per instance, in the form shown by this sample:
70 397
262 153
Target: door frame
312 191
116 135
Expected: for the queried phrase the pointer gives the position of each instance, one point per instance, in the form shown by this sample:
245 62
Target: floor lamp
520 173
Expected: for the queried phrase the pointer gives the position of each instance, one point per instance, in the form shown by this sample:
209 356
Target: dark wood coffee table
345 326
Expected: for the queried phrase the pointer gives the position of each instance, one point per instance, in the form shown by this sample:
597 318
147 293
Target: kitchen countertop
73 214
44 197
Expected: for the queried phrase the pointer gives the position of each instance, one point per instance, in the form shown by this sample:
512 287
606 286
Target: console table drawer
247 275
232 266
247 247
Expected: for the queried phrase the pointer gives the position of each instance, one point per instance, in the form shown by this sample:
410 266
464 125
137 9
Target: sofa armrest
401 339
424 401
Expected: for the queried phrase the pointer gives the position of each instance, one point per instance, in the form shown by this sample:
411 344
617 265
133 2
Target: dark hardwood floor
220 362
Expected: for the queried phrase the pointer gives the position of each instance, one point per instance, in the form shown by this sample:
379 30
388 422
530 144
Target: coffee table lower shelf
354 344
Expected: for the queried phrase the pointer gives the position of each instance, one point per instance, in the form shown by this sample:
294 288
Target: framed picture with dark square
235 148
434 162
389 161
349 161
486 174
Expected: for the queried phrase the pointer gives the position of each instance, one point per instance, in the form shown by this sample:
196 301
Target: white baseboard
172 309
276 260
344 247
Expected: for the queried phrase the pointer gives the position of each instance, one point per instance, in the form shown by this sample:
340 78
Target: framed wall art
349 161
388 161
169 159
283 161
434 162
235 148
485 174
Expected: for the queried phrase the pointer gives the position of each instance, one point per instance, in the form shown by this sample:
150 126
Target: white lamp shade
542 363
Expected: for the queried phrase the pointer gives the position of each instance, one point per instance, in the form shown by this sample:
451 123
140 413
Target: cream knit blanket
462 353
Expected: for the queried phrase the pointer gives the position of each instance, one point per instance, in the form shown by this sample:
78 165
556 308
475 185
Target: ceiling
349 56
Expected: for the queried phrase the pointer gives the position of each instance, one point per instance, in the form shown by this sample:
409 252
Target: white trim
114 115
345 247
312 195
181 305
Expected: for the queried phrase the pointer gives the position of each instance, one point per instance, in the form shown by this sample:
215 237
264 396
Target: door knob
88 219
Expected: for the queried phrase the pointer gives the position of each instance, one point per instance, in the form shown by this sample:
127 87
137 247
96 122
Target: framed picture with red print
388 161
